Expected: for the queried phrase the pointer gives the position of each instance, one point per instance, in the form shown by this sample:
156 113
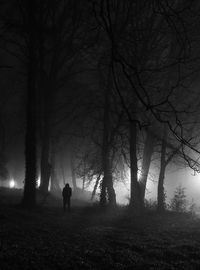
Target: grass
91 238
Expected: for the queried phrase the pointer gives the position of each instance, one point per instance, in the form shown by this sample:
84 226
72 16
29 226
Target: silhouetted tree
29 197
60 29
141 37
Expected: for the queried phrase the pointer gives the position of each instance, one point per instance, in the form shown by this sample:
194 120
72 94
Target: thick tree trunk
29 195
44 97
135 196
44 167
146 161
103 195
111 191
107 190
163 164
46 116
107 181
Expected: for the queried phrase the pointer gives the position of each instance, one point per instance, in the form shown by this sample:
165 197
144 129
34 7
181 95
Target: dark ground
89 238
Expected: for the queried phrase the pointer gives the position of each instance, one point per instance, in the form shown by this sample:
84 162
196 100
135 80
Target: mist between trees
96 90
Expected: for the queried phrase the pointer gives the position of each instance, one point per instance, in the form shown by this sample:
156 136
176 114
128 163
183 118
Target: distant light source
12 183
38 181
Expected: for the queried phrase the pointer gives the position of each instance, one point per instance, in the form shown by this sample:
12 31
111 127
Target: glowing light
38 181
49 187
12 183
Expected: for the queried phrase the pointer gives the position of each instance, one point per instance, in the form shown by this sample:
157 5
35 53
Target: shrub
150 204
179 202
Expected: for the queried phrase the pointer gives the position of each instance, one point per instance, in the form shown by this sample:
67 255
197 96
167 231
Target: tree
54 176
60 44
141 39
21 43
29 197
146 160
171 149
107 181
179 202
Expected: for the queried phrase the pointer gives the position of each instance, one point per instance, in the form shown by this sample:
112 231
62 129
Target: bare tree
141 35
29 197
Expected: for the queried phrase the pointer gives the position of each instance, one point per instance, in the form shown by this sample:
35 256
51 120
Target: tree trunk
29 195
83 184
161 191
54 180
62 172
135 196
48 88
103 195
111 191
84 172
45 163
146 161
163 163
44 98
107 181
95 186
73 172
44 167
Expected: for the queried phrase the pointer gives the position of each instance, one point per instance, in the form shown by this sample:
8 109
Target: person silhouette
67 193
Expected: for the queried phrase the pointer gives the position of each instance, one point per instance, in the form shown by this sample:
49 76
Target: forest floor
91 238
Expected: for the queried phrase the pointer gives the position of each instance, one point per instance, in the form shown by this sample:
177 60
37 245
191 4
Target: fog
99 99
174 178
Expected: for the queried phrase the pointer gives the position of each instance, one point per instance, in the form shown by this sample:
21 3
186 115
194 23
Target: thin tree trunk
146 161
62 173
84 172
54 180
29 195
95 186
161 191
73 173
135 196
105 149
83 184
163 163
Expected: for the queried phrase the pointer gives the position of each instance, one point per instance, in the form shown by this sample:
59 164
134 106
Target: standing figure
66 193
